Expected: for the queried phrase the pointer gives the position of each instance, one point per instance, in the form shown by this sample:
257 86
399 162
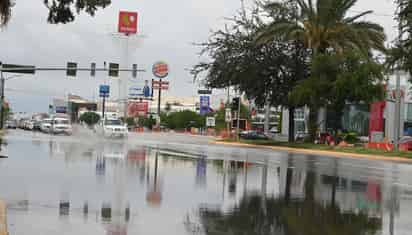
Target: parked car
11 124
45 125
61 126
112 128
253 135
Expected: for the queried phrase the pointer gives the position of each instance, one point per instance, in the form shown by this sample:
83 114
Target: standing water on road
60 185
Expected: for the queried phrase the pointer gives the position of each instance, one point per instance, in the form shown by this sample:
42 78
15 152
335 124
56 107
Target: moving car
253 135
113 128
45 125
61 126
11 124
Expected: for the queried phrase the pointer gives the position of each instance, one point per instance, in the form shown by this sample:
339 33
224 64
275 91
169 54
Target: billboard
204 105
136 109
127 22
138 89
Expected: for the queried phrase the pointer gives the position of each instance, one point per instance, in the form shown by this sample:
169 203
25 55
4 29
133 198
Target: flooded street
67 185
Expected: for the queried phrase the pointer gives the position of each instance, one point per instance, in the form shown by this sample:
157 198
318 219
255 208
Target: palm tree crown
324 25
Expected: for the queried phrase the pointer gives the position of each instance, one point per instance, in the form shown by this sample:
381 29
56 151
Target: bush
90 118
130 122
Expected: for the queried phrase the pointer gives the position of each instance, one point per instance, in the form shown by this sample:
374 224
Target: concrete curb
324 153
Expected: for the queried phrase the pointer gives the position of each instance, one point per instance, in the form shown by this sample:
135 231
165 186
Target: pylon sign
127 22
160 69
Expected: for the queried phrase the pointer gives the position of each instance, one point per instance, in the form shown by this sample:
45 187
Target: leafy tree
184 119
265 72
324 28
338 79
148 122
60 11
90 118
400 56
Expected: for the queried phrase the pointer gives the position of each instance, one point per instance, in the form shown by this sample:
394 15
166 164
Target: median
322 149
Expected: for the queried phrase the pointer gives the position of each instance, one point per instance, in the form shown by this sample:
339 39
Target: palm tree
323 25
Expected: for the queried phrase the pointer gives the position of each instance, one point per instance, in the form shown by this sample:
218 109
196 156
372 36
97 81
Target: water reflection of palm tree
284 216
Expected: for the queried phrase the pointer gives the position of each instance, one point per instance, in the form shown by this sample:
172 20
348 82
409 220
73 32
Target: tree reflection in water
257 213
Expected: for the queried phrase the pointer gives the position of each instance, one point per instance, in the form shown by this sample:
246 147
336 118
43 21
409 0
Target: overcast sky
168 27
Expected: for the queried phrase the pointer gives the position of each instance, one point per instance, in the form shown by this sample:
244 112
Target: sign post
104 93
160 70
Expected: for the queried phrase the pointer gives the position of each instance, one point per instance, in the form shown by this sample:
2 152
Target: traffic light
235 103
93 69
134 72
71 69
113 70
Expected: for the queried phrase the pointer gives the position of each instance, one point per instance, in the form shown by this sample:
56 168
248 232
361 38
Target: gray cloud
169 28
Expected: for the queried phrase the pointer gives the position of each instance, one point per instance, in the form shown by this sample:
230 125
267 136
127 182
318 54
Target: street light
3 79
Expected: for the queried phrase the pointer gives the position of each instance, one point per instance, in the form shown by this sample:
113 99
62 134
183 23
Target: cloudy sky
167 30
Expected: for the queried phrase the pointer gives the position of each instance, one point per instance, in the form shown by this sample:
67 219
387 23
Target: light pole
3 81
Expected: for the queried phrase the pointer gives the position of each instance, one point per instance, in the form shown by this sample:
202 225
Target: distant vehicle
61 126
11 124
21 123
29 125
37 125
45 125
253 135
113 128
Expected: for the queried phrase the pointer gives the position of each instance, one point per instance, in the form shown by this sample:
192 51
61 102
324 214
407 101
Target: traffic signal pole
238 120
2 100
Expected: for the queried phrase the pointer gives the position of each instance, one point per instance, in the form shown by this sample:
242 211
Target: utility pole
227 105
2 100
267 116
238 120
158 102
397 97
397 111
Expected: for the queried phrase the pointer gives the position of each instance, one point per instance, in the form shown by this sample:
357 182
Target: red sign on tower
127 22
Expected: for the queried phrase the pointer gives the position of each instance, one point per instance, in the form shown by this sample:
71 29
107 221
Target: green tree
60 11
324 28
324 25
90 118
400 56
184 119
265 72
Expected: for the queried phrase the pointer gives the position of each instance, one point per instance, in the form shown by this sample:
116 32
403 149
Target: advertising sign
61 109
204 105
137 89
164 85
127 22
376 120
160 69
136 109
104 91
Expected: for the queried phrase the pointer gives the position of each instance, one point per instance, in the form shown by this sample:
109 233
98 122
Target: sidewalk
324 153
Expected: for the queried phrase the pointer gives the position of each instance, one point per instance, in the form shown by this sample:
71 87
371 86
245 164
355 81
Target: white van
61 126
